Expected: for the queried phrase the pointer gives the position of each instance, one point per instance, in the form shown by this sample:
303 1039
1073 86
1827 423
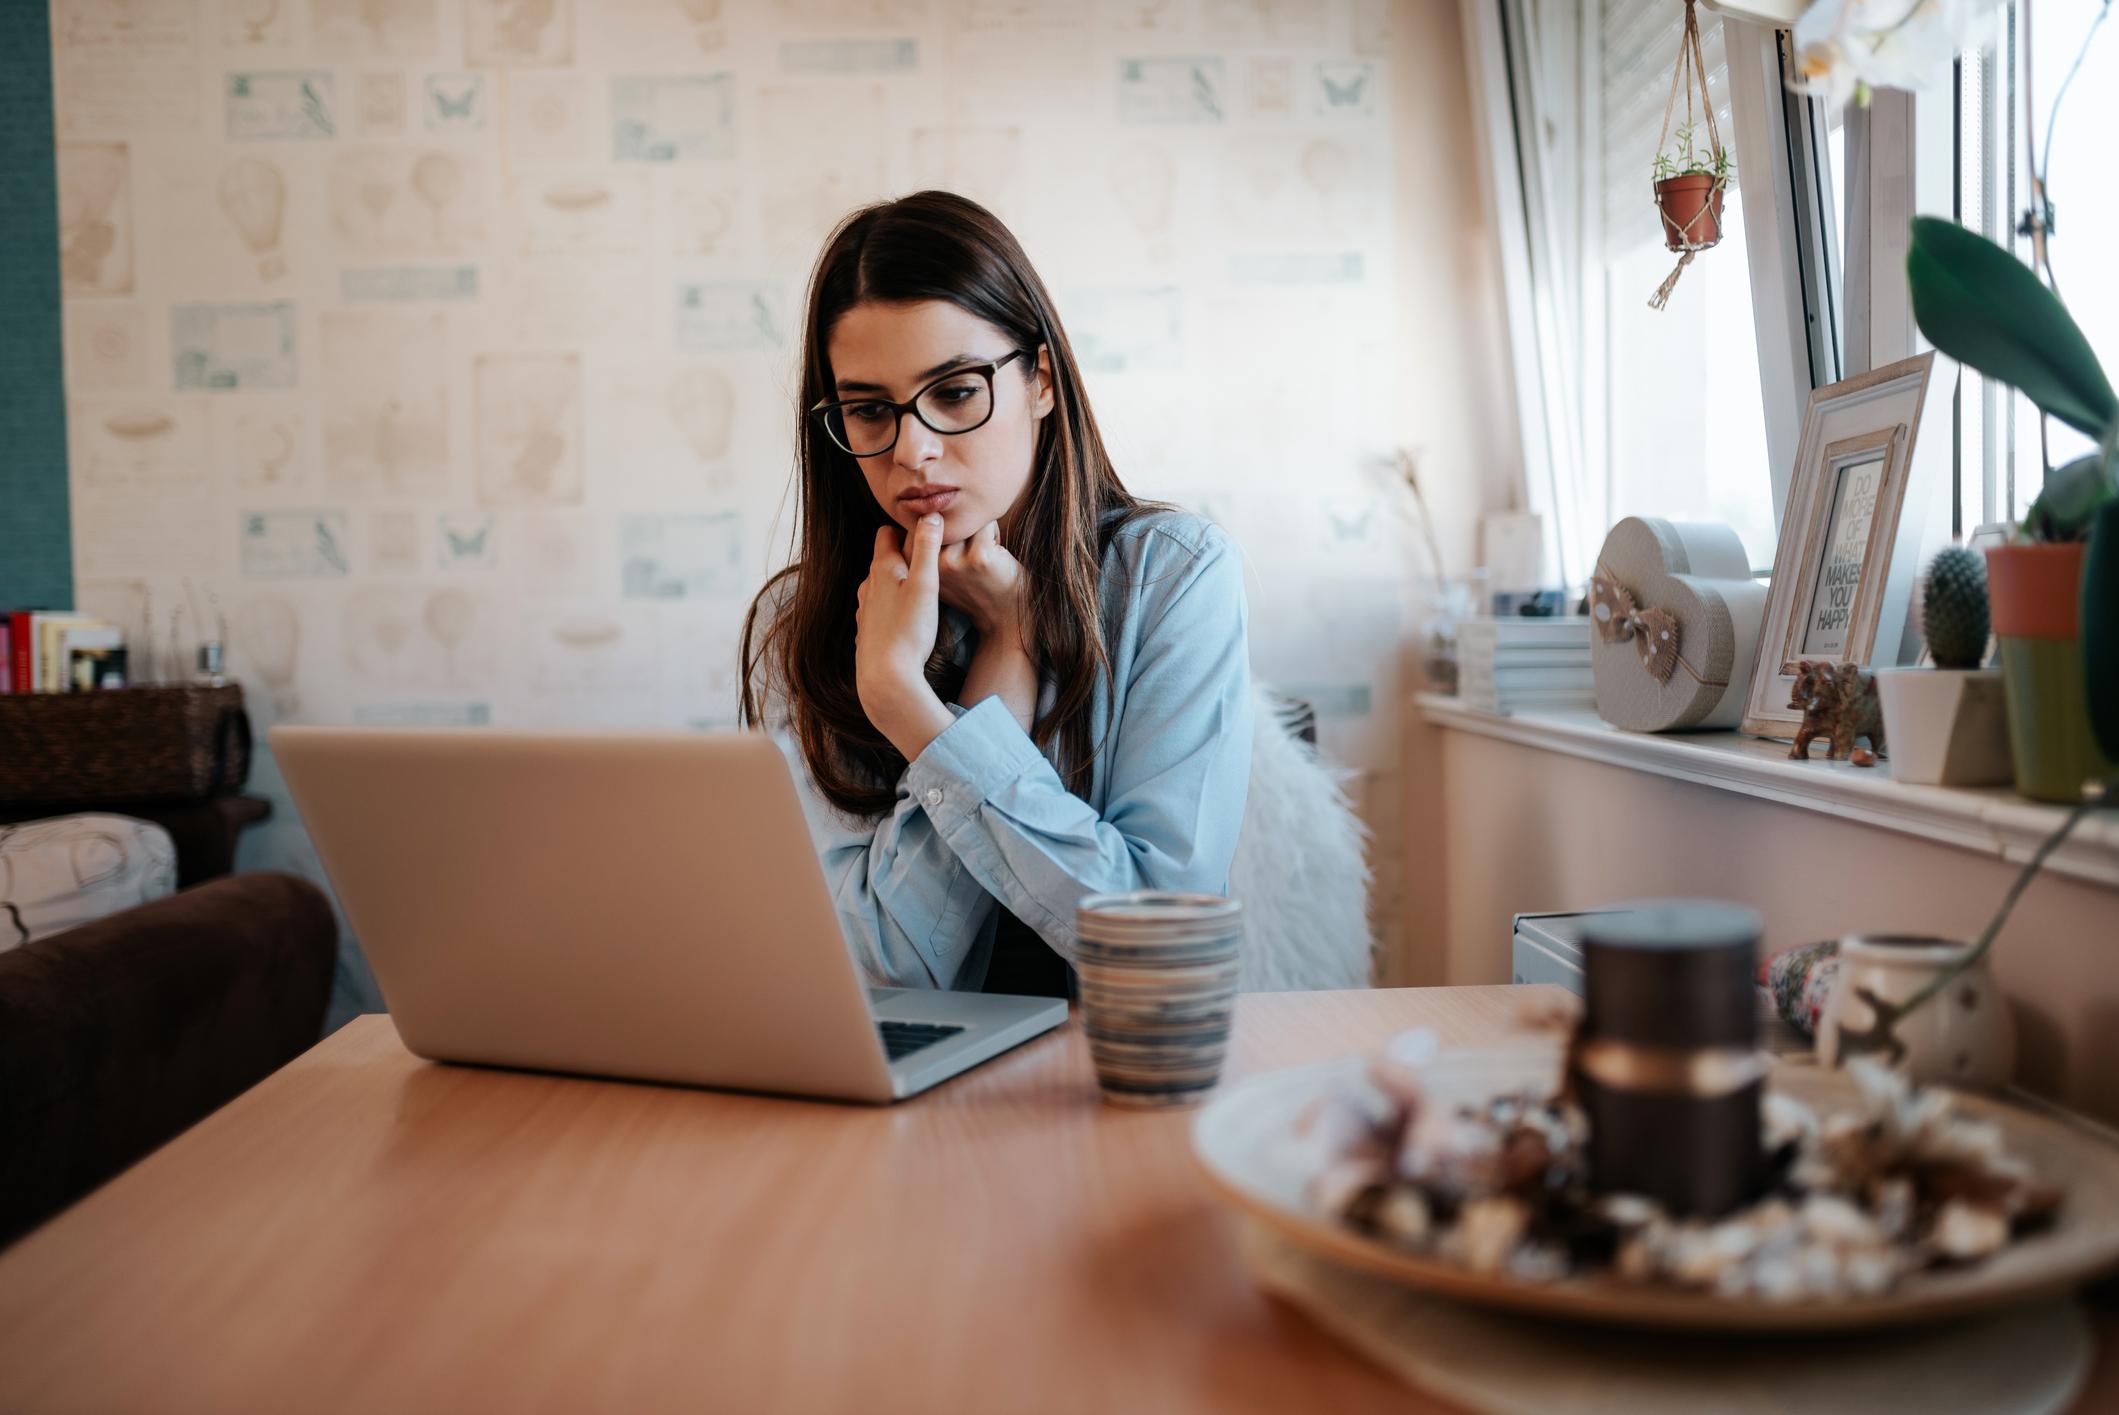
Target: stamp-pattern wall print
384 404
501 34
124 69
294 544
95 218
528 415
234 346
681 557
1344 89
261 444
673 117
256 24
455 103
379 103
139 442
106 344
1170 89
730 316
466 541
281 107
375 29
547 118
849 56
394 542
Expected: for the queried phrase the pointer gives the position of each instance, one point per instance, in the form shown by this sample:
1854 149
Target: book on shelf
1527 702
1527 633
87 657
1533 675
41 644
1527 658
20 657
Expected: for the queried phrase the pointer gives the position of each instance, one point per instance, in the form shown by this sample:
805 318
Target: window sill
1988 821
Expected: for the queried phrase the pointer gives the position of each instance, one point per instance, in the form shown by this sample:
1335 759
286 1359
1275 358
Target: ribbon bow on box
1654 631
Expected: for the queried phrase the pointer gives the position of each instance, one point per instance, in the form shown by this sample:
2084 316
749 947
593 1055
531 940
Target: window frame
1823 309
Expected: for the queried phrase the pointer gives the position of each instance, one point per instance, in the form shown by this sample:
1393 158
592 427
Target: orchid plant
1845 48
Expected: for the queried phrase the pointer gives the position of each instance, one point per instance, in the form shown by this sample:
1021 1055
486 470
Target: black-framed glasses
959 401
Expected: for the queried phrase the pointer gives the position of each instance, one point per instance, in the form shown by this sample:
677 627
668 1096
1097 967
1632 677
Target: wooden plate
1244 1141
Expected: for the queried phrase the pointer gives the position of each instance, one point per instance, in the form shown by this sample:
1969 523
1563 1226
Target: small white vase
1946 726
1963 1036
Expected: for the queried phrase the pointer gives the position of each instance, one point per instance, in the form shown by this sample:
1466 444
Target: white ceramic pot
1946 726
1964 1036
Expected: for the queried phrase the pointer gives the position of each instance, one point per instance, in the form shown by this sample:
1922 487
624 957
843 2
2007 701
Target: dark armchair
116 1035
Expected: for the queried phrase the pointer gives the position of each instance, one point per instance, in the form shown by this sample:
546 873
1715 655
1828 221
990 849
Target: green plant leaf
2100 628
1985 309
2069 502
2067 505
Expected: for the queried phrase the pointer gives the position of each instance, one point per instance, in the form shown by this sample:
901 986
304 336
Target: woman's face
892 351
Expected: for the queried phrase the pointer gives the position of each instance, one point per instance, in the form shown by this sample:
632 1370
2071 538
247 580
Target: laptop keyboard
902 1039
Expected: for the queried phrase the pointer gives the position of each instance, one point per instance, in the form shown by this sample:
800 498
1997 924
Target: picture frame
1847 555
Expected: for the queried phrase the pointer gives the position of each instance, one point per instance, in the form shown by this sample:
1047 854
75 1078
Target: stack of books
50 651
1504 665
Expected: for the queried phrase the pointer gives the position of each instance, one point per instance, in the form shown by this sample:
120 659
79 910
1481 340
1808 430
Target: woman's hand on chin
896 615
981 578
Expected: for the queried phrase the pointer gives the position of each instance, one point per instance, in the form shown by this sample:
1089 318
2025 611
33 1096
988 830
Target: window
1645 412
2004 100
1693 412
1685 429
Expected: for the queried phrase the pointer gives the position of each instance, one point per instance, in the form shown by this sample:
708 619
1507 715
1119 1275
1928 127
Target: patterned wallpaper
437 354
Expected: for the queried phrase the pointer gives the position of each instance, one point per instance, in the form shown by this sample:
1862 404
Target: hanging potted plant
1689 179
2059 634
1688 192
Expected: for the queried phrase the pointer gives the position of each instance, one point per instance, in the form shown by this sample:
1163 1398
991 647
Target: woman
1005 682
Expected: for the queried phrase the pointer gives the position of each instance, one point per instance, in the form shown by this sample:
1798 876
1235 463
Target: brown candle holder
1666 1063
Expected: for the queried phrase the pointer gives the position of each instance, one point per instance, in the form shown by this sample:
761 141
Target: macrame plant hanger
1690 76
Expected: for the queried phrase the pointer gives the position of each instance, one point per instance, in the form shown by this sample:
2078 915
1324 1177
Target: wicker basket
177 742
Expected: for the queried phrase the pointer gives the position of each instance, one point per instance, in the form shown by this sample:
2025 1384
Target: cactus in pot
1948 725
1954 608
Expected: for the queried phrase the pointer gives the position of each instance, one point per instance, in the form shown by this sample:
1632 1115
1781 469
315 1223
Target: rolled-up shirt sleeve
1179 763
909 908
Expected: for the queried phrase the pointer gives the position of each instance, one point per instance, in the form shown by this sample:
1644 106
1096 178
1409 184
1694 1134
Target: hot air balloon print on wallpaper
253 196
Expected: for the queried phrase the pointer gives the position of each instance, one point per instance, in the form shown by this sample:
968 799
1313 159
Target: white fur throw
1301 867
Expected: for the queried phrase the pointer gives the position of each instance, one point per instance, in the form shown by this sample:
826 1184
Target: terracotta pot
1692 211
2036 594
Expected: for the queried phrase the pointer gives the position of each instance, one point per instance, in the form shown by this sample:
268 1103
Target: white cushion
70 870
1301 867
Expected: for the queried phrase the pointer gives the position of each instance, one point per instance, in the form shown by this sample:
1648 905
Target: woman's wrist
1009 635
1003 667
911 719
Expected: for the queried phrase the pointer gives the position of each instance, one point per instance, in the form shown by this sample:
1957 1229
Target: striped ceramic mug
1157 973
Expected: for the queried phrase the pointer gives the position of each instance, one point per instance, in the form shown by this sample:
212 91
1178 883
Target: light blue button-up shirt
982 818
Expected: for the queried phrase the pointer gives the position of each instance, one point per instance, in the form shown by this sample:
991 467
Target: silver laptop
643 905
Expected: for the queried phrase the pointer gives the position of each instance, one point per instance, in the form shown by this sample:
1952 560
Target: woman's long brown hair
931 246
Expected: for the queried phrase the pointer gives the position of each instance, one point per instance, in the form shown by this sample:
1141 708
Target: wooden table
368 1231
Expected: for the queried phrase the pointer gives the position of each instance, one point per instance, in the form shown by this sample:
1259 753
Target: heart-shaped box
1676 624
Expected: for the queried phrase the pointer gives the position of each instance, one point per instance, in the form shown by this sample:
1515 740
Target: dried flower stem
2092 798
1409 471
